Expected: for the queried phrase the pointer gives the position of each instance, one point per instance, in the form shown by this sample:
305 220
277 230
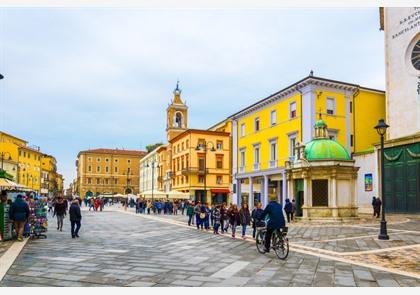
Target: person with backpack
19 214
245 218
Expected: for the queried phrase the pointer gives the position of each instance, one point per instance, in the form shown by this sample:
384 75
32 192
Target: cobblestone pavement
121 249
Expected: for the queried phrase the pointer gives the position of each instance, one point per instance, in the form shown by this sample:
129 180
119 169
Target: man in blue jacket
276 220
19 214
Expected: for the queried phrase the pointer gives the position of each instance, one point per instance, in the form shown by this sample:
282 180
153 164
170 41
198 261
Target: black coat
245 216
60 209
74 213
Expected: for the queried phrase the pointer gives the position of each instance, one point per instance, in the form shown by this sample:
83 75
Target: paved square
121 249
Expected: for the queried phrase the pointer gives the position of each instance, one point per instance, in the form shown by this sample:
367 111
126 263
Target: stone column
265 191
280 198
251 194
333 205
284 187
236 197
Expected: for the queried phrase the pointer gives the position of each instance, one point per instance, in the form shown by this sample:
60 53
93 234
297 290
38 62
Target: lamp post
3 154
381 129
205 147
152 165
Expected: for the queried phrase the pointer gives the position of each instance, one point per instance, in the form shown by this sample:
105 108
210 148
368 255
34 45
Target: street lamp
381 129
153 174
3 154
205 147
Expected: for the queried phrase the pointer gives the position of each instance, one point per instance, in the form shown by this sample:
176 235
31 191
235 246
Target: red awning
220 190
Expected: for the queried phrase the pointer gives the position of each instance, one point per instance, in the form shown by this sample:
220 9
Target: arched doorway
128 191
89 194
178 120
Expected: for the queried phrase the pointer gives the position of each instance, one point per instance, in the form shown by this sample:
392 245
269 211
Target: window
201 142
187 161
273 118
128 161
188 143
128 170
242 158
292 145
177 164
20 153
98 180
351 140
29 155
200 179
182 145
106 160
89 180
219 162
106 169
116 181
351 107
219 145
89 159
257 157
128 181
332 135
330 106
219 179
243 129
115 169
98 168
116 160
201 162
24 154
98 159
257 124
273 150
293 110
89 168
182 162
106 180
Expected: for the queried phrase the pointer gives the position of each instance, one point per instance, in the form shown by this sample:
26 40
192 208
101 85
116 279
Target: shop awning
7 184
220 190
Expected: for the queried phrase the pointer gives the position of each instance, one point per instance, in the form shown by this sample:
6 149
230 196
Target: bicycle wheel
260 240
281 246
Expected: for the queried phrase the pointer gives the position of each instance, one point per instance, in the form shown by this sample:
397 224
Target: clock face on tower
415 56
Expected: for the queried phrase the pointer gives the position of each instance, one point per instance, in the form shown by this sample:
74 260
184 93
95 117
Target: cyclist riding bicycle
276 220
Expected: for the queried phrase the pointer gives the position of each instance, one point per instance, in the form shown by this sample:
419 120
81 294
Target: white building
149 172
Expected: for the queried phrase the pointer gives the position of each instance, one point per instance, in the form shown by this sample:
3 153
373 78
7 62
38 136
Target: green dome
325 149
320 124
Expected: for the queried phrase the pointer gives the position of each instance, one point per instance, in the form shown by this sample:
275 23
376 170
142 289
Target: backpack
202 215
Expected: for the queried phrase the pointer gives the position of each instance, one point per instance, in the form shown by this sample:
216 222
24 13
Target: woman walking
245 218
60 211
288 209
190 214
234 219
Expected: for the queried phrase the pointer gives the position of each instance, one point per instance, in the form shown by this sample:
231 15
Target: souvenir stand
38 221
6 186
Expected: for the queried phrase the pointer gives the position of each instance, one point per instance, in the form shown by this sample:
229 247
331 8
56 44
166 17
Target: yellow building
108 171
200 165
48 173
9 153
265 134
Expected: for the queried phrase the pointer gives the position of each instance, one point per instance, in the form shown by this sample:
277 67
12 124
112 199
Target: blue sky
90 77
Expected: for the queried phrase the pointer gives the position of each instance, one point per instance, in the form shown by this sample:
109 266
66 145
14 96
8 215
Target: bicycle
279 242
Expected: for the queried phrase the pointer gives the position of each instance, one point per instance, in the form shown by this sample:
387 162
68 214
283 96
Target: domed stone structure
327 173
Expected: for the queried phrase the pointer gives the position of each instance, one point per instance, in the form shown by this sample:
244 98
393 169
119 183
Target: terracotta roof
115 152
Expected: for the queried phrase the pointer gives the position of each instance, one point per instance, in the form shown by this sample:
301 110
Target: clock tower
176 115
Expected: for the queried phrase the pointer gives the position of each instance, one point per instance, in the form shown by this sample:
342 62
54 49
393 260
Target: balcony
273 164
256 166
194 170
